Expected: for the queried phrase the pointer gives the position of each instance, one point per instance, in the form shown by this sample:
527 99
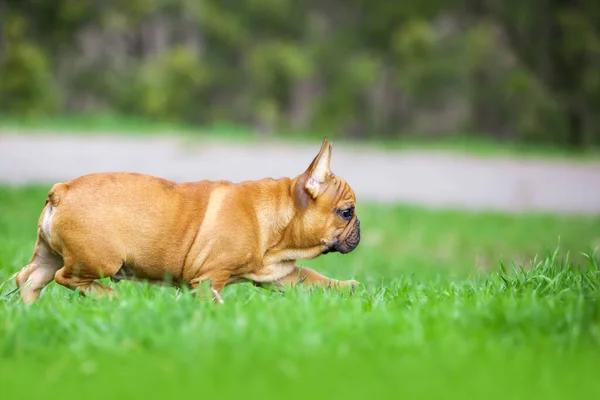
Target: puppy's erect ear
318 171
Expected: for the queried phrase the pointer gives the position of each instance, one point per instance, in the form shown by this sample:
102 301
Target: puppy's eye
347 213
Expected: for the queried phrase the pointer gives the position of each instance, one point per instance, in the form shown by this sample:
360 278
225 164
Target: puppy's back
147 220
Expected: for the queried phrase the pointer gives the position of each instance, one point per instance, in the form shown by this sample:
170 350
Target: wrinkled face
341 230
329 206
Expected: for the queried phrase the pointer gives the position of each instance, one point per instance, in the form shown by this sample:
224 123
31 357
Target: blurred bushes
354 68
168 86
26 84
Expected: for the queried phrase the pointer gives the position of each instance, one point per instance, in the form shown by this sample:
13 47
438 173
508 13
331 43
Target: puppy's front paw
351 284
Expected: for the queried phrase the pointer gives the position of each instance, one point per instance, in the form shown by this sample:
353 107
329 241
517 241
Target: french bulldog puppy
140 227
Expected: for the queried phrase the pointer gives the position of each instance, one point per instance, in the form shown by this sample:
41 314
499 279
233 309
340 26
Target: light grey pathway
435 179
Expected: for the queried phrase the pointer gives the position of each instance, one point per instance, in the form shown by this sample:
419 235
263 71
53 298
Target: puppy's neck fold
284 226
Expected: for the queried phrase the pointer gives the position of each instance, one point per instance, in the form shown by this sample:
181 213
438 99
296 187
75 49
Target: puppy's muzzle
350 242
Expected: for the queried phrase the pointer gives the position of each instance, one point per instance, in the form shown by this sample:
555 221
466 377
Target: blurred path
434 179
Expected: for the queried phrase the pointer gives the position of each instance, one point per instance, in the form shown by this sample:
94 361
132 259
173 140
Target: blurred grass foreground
509 70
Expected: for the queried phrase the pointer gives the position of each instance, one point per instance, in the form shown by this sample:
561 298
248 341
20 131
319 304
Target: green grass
436 317
109 124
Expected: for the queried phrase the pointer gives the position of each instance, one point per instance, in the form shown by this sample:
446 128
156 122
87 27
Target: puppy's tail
56 194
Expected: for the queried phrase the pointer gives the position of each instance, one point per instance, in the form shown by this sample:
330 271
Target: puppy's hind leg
39 272
82 269
82 280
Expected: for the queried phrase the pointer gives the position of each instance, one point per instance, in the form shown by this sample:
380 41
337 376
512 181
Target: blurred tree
26 85
502 68
559 42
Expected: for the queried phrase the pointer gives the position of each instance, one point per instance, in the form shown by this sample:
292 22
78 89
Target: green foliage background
521 71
